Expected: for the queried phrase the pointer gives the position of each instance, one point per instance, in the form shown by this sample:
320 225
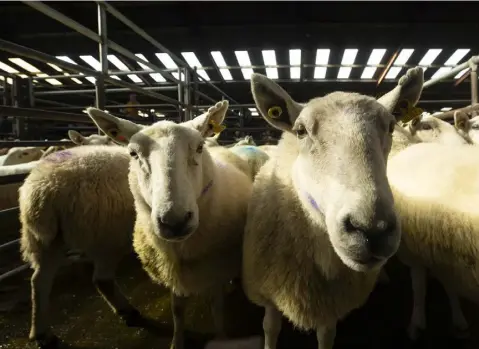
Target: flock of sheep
307 225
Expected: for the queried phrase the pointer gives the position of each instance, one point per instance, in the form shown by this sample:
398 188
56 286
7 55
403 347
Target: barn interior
151 61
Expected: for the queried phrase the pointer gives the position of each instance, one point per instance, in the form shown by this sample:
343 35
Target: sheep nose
173 227
380 235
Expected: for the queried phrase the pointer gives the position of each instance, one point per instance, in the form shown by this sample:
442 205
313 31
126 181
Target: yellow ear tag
275 112
215 127
410 112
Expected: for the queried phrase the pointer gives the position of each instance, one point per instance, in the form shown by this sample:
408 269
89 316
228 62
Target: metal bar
450 114
10 243
7 144
187 93
43 114
388 66
118 15
103 54
454 71
111 90
52 13
60 104
462 78
43 57
205 96
13 272
474 99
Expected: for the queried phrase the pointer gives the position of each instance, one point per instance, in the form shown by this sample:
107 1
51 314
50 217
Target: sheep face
468 129
339 172
22 155
171 166
93 139
431 129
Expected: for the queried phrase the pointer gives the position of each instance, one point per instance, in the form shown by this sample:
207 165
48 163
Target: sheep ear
209 123
461 121
408 91
119 130
76 137
274 103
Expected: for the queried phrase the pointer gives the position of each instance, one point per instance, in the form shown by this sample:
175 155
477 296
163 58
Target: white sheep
20 155
191 206
467 128
247 140
254 156
92 139
77 199
429 128
268 149
440 223
9 192
321 219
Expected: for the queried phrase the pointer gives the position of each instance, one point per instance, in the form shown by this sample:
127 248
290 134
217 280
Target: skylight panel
155 76
74 79
244 61
295 59
25 65
349 57
56 67
374 59
66 59
400 60
169 63
122 66
269 58
451 62
221 64
92 62
429 57
461 73
9 80
54 82
8 69
193 61
322 57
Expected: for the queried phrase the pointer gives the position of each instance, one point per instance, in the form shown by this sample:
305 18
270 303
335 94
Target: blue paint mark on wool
247 149
59 156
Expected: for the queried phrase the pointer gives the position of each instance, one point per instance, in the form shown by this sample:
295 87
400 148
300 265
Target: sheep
468 129
191 207
254 156
321 220
429 128
247 140
212 141
77 199
268 149
92 139
20 155
439 222
9 192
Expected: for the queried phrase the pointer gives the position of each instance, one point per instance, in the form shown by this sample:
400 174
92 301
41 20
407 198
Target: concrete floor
83 320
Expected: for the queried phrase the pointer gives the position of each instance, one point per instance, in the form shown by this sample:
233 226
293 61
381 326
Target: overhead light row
269 58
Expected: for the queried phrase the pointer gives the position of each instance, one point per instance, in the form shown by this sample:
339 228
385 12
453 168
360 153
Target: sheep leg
217 310
178 304
418 318
325 337
104 281
271 326
459 322
41 286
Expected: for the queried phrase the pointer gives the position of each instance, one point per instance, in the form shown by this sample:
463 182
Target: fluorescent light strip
8 69
74 79
429 57
155 76
221 64
295 59
349 56
54 82
169 63
56 67
401 60
455 58
322 57
252 109
122 66
374 59
193 61
9 80
244 61
269 58
25 65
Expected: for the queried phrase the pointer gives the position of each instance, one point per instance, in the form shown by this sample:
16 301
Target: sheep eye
301 131
134 155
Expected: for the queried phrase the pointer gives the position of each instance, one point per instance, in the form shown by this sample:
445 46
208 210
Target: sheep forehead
165 132
353 106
